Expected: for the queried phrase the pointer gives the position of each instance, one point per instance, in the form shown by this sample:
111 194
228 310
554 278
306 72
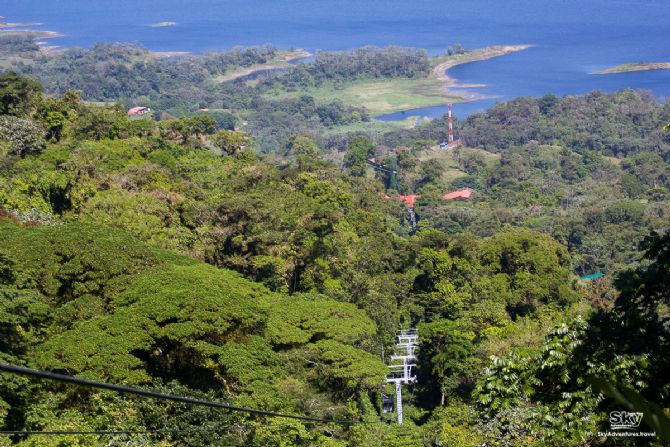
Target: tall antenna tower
450 143
403 365
451 127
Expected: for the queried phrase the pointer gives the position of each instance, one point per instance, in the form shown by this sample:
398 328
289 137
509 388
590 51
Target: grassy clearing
394 95
384 96
449 161
375 126
436 153
614 160
451 173
489 156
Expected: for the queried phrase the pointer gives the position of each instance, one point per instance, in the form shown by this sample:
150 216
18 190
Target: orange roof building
463 194
409 199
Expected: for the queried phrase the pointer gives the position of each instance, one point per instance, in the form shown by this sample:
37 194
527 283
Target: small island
640 66
9 29
26 41
163 24
18 25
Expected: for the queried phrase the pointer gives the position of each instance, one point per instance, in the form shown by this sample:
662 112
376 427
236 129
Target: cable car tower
392 183
402 366
392 171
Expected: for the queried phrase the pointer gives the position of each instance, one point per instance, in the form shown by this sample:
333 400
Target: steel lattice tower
402 368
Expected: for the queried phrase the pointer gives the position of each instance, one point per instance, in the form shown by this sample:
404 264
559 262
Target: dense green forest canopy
591 171
172 255
185 84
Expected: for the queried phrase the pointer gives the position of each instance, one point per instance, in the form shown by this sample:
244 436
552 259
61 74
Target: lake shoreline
37 36
169 54
450 84
284 61
397 96
440 71
630 68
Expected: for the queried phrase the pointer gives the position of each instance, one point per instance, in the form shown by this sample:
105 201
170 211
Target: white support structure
403 365
398 401
412 219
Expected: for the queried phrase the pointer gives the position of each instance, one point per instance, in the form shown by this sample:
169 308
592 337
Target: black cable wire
131 432
188 400
106 432
380 167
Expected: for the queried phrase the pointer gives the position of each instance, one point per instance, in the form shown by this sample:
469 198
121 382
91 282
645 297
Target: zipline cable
133 432
187 400
108 432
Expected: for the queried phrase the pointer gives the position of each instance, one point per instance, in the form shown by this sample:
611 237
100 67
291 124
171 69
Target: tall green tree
18 95
231 142
23 135
625 346
359 150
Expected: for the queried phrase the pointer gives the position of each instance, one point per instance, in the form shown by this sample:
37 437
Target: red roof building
409 199
463 194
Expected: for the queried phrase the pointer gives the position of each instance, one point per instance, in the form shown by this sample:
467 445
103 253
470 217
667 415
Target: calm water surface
571 37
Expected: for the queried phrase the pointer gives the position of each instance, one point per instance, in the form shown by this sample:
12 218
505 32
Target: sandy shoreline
34 33
168 54
246 72
628 68
440 72
283 63
4 25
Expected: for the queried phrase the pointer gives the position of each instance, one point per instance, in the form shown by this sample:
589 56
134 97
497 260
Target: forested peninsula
250 243
640 66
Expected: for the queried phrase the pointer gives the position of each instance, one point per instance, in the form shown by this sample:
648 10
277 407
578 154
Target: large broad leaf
654 416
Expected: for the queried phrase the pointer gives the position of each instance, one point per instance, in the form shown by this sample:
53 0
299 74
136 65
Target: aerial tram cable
380 167
114 432
187 400
218 429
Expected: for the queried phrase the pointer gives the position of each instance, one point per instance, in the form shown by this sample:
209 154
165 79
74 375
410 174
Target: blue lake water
571 37
459 110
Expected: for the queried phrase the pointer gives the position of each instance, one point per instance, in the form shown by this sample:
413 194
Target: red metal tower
451 128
